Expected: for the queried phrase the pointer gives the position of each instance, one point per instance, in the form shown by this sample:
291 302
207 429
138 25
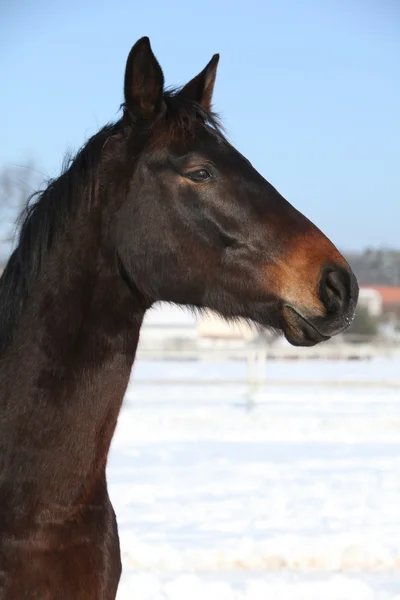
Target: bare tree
17 183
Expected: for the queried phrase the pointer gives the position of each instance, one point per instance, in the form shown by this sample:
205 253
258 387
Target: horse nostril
336 288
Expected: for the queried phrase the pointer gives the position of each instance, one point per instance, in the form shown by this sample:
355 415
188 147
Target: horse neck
63 378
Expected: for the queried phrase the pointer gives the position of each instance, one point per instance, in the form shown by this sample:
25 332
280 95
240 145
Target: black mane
183 116
42 220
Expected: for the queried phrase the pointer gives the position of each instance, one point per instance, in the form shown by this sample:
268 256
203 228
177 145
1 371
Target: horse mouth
298 330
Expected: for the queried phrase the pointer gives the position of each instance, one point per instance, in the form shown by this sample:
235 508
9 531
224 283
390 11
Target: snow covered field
296 497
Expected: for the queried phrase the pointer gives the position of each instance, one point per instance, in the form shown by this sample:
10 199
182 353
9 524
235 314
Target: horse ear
200 88
144 81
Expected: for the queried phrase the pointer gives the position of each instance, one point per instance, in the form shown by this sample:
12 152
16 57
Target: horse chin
298 330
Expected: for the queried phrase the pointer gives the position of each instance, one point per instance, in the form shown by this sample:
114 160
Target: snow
294 496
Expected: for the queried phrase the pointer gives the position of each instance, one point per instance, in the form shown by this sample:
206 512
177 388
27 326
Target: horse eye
199 176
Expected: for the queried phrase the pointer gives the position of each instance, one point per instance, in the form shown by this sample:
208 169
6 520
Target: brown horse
158 206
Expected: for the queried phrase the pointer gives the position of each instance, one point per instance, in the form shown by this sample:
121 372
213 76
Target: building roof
390 294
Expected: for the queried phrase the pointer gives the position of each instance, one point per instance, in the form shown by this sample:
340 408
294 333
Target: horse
157 206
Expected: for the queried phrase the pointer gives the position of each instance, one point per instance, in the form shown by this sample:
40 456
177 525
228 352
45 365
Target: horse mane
184 116
48 210
41 222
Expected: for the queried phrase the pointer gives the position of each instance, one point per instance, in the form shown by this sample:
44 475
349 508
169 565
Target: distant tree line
364 323
376 267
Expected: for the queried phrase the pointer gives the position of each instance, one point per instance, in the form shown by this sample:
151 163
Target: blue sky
309 91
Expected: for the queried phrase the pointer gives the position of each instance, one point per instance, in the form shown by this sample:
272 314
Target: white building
171 326
371 300
168 325
211 326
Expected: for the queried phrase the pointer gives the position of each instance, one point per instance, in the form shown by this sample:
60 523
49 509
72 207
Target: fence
257 360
